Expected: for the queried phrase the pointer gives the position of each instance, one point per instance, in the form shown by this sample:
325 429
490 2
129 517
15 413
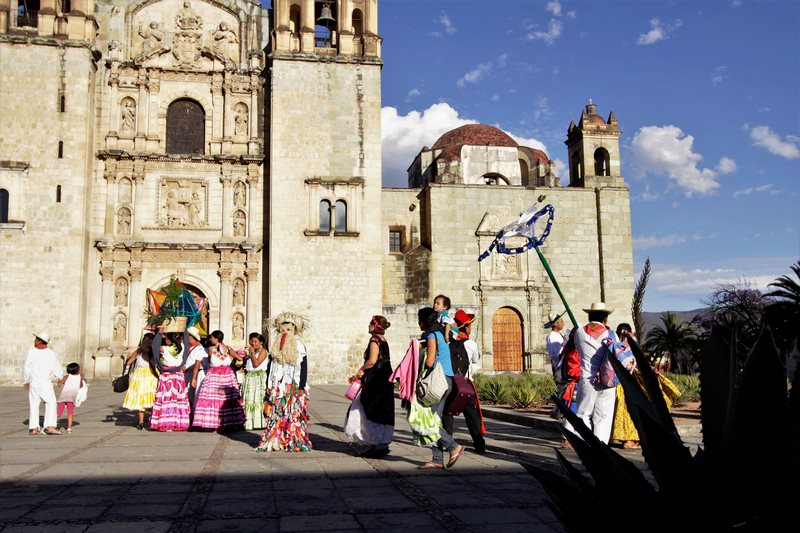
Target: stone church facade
239 148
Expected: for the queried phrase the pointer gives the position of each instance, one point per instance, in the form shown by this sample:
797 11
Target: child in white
70 387
41 366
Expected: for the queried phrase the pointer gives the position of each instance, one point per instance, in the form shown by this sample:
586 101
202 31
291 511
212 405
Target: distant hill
652 320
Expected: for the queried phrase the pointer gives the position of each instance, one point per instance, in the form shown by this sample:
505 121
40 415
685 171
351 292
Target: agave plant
742 477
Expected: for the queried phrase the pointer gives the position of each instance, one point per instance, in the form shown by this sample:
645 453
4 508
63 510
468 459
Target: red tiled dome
471 135
595 119
537 155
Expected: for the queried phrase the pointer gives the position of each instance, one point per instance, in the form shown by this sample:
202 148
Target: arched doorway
507 340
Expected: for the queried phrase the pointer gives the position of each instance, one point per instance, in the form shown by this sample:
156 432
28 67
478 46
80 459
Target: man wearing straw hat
40 368
555 339
595 402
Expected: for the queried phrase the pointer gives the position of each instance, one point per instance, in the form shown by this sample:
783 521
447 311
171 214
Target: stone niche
188 35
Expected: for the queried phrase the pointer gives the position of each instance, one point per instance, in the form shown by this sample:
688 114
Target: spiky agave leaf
660 411
574 505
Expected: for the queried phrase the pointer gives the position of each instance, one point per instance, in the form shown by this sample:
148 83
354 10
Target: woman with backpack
370 418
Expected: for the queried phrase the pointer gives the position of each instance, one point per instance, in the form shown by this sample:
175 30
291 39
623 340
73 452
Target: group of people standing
188 383
593 393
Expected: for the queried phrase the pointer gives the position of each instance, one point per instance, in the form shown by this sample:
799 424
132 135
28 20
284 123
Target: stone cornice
49 41
335 180
121 155
300 56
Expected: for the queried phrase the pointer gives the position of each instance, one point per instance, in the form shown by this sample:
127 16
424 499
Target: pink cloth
407 370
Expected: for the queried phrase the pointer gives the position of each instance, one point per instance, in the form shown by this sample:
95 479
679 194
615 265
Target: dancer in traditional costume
171 406
218 404
254 385
143 380
287 404
370 418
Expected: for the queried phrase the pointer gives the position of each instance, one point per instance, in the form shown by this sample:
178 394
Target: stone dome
471 135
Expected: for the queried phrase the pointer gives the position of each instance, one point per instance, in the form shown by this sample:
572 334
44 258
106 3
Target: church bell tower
323 223
593 150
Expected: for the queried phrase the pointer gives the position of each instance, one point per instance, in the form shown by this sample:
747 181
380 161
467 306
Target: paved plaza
107 476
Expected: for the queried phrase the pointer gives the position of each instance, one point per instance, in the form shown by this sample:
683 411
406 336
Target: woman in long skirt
370 418
287 405
254 385
171 406
143 380
219 404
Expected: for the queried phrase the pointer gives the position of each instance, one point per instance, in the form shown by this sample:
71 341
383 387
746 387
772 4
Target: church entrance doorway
507 340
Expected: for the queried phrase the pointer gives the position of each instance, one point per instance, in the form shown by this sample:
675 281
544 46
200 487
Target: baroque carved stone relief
239 224
183 203
238 293
127 119
120 327
124 221
238 327
241 119
121 292
239 194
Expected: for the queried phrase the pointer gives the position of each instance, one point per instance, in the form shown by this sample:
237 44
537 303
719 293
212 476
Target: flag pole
555 284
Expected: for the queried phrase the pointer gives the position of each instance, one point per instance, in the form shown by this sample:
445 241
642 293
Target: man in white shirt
40 368
555 339
595 402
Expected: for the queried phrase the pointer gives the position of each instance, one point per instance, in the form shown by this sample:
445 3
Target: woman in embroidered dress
171 406
370 418
254 385
218 404
143 380
287 406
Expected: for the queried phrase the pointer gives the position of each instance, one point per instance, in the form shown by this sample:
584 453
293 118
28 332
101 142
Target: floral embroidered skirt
141 390
287 421
254 388
218 404
171 407
623 428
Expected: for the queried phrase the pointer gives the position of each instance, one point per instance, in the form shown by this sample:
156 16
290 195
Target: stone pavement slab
107 476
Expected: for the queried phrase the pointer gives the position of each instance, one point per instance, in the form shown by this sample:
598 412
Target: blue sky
707 95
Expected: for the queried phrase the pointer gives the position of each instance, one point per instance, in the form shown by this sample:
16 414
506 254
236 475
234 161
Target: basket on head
175 324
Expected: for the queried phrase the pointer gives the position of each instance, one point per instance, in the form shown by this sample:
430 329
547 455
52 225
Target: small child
70 385
441 304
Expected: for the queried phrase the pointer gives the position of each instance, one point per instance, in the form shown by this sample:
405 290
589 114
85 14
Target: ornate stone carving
238 292
120 327
121 292
238 327
239 224
187 19
239 194
124 221
183 202
114 51
224 43
125 191
186 43
505 266
127 120
153 43
241 119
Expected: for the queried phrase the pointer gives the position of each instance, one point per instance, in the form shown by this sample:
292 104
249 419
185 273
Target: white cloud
529 142
414 92
765 109
666 150
447 24
572 14
719 75
501 60
403 136
737 3
475 75
495 98
767 187
554 29
554 8
652 241
764 137
647 195
658 31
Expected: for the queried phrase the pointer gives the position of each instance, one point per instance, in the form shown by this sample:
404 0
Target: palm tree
784 313
673 338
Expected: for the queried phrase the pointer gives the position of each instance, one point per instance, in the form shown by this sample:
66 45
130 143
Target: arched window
324 215
66 6
186 124
58 194
341 216
294 19
493 178
4 197
358 23
602 162
523 172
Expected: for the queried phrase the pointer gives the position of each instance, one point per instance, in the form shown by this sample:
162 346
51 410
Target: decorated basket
174 324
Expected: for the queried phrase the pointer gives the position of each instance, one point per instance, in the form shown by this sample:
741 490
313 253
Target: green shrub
689 385
523 398
496 391
507 389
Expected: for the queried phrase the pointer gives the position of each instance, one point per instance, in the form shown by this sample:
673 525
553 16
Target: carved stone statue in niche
238 293
121 292
187 19
223 41
124 222
186 41
120 328
239 222
114 51
238 327
153 42
239 195
240 119
183 203
506 266
128 116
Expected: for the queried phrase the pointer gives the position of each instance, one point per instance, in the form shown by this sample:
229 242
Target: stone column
153 88
226 178
138 185
252 205
255 83
110 174
106 300
136 298
218 113
113 122
224 273
140 141
253 317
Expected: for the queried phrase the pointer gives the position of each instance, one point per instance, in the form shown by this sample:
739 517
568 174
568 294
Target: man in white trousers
40 368
595 402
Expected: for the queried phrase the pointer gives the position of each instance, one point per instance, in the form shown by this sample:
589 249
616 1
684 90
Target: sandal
36 431
431 466
454 455
54 431
69 430
631 445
